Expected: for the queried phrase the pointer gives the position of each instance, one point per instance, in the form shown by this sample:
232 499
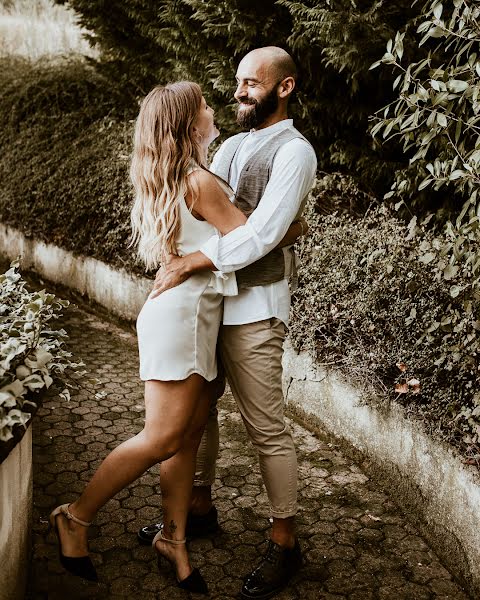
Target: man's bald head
265 81
277 61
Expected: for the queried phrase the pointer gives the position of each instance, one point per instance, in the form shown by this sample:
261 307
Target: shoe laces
270 554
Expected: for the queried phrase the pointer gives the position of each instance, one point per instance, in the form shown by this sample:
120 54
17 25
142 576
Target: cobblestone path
356 542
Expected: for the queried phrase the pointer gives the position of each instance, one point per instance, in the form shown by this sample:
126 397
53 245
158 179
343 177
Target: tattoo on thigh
172 526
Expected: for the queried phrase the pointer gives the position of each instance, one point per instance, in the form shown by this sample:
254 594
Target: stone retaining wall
430 481
442 494
120 292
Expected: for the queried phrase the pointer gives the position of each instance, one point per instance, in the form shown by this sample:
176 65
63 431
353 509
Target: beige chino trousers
252 358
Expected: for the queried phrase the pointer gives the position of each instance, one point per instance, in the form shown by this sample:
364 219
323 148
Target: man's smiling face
256 92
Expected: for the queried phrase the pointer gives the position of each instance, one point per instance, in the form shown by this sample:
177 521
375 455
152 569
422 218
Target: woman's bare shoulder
205 184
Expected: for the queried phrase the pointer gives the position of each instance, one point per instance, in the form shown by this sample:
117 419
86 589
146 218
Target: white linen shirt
292 176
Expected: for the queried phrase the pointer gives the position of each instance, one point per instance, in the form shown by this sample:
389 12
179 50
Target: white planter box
16 501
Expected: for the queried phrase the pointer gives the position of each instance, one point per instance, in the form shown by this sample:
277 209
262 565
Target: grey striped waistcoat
251 185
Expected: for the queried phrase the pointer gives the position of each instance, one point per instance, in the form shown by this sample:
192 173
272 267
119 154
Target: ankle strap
175 542
68 514
160 536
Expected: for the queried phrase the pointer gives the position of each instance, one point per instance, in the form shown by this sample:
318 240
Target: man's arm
292 177
177 269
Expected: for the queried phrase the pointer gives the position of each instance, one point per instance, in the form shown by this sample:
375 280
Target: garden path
357 543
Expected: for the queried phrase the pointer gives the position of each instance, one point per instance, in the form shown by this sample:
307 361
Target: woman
179 205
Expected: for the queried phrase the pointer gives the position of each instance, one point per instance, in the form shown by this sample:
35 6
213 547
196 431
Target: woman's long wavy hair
164 149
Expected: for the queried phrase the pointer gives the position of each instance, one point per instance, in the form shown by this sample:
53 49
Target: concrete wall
15 519
441 493
117 290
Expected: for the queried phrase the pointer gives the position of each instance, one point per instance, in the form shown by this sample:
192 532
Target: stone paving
357 543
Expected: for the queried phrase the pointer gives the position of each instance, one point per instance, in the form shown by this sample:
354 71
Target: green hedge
64 155
65 142
371 305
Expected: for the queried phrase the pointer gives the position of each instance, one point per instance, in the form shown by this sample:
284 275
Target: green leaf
435 32
411 317
43 357
22 372
7 400
34 382
65 394
412 228
427 258
450 272
455 291
437 11
442 120
425 183
15 388
458 130
457 85
376 128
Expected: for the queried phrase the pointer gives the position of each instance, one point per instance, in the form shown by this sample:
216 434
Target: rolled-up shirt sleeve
292 177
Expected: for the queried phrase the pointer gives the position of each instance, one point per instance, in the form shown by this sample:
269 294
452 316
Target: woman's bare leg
170 407
201 498
176 484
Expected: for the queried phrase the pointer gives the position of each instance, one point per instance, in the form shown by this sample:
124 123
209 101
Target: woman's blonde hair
164 150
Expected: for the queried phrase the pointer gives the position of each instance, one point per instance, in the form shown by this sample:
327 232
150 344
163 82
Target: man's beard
258 111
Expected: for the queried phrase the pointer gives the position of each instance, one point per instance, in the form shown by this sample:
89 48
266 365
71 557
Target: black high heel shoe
80 566
194 583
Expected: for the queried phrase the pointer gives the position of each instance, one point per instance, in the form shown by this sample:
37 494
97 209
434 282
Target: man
271 169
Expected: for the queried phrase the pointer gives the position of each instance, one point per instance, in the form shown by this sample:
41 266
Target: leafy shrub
339 193
371 305
334 44
435 113
437 117
31 350
64 155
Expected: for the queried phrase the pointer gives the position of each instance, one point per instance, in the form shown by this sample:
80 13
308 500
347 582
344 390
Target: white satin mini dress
177 331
